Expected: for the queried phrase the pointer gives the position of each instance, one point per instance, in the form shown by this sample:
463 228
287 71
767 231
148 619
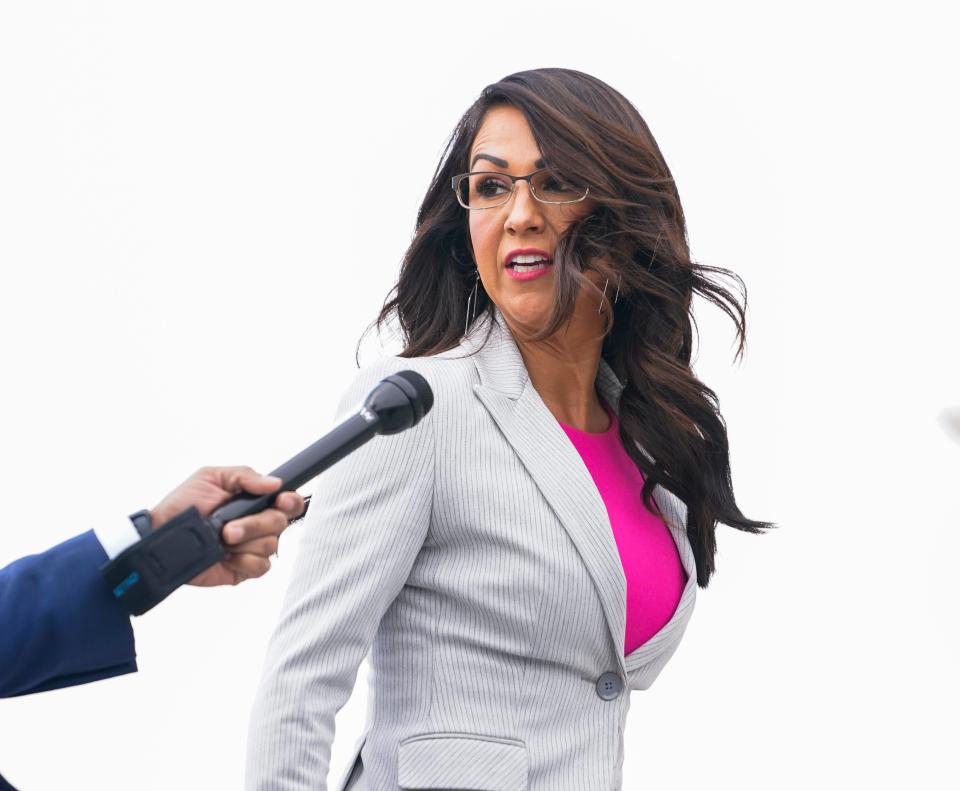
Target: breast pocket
462 761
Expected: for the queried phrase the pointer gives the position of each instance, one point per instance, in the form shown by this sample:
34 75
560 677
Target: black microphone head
424 395
400 401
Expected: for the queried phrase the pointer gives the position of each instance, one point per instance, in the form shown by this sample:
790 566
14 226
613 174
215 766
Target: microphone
397 403
147 572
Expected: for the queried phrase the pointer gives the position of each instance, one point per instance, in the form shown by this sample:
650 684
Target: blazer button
609 686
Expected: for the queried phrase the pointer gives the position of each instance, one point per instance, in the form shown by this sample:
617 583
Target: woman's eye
490 188
553 185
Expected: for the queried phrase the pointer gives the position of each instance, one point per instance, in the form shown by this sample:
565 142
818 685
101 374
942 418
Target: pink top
651 563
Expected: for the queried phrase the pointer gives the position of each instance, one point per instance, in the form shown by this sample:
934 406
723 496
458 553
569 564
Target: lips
526 256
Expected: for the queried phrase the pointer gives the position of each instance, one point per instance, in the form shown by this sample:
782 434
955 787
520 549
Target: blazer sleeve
59 624
368 518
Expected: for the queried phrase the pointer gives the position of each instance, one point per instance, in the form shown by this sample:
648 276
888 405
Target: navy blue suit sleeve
59 623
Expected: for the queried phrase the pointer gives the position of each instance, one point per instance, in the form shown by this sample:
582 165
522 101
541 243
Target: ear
463 254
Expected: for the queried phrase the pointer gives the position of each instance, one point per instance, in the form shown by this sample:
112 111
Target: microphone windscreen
424 393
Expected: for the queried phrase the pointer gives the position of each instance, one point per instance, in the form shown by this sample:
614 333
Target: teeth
532 268
529 259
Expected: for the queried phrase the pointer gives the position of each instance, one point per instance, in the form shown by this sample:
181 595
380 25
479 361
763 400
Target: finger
266 523
246 479
264 547
290 503
246 566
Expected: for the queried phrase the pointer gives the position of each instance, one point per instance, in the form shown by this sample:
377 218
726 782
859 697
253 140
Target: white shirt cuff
116 536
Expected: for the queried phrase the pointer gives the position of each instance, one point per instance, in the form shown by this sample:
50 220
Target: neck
563 371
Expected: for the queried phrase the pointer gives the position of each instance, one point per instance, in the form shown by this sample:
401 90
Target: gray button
609 686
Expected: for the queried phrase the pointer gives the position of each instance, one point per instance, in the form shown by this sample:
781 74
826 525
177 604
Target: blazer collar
501 367
555 465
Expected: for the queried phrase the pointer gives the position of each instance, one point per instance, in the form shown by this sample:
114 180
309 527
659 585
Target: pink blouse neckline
611 427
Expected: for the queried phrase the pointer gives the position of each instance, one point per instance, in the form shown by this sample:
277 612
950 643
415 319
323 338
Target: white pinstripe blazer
473 555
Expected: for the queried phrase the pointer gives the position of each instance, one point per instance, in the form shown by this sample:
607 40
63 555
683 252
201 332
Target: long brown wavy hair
593 136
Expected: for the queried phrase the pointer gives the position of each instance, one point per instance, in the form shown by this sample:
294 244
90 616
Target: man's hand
250 540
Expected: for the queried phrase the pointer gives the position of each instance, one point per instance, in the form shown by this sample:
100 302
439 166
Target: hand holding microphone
248 541
188 543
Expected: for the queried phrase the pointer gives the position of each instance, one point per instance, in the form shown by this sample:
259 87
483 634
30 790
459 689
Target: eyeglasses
489 189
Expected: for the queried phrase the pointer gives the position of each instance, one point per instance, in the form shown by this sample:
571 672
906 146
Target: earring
472 296
603 296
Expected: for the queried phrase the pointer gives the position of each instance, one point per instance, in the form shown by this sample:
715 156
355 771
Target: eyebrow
502 163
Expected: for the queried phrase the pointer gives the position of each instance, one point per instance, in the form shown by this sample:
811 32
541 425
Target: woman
530 551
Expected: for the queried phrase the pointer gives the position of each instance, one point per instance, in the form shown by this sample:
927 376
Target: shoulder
451 376
448 368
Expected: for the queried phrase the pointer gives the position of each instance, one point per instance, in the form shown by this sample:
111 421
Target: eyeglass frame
455 183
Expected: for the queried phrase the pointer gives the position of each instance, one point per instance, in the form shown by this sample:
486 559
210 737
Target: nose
525 211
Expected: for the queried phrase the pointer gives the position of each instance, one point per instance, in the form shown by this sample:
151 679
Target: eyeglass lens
484 190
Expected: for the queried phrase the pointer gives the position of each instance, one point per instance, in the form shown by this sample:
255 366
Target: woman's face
505 144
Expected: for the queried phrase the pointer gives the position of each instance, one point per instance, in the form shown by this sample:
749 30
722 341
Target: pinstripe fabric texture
455 761
473 557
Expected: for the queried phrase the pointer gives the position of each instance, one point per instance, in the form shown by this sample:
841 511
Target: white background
203 204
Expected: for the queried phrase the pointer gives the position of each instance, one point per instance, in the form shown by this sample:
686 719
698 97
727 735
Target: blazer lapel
674 513
558 471
552 460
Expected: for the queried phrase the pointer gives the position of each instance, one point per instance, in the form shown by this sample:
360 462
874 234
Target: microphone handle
308 463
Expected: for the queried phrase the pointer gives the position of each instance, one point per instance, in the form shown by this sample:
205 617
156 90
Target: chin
531 312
